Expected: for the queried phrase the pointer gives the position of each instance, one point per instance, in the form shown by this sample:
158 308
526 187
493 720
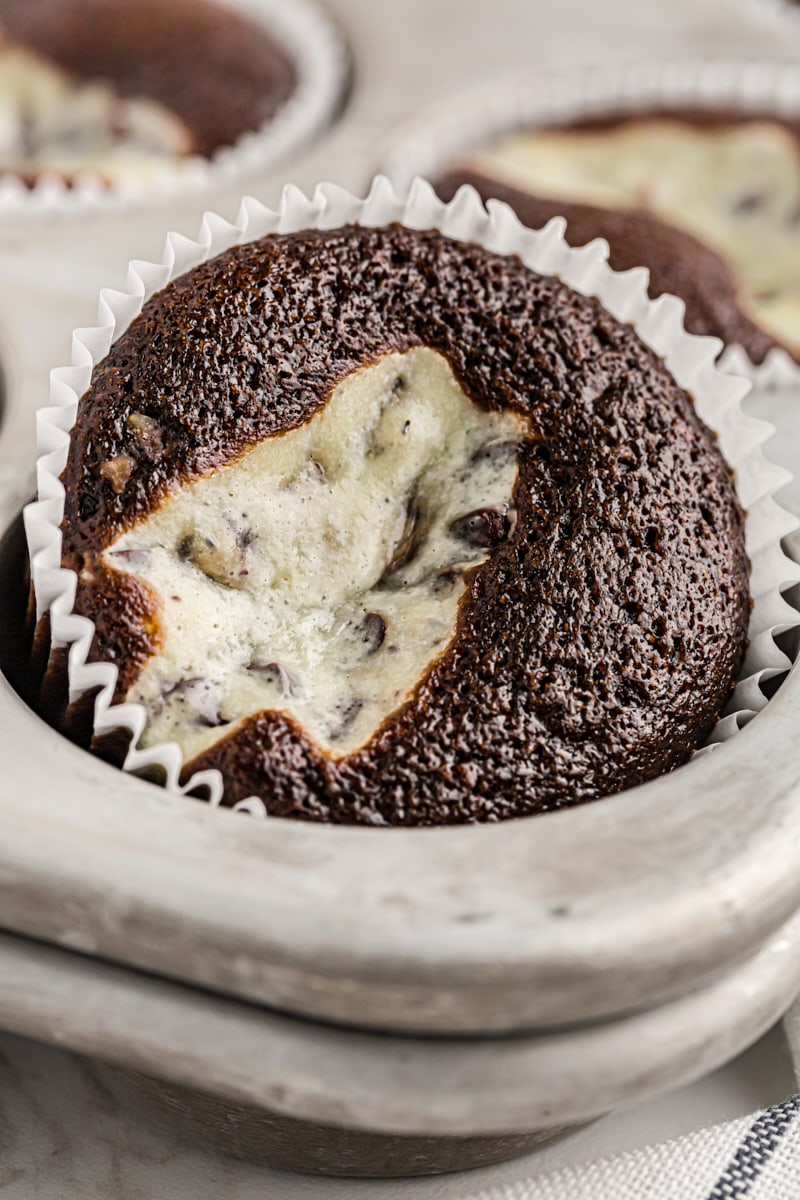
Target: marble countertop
65 1134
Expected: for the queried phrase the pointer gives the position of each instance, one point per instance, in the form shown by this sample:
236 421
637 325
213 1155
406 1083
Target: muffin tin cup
437 137
690 359
322 61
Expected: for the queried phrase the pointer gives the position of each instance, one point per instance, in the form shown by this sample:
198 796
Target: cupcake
389 528
688 168
127 91
709 201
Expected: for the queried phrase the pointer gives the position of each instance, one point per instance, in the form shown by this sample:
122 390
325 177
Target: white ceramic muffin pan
677 900
447 1006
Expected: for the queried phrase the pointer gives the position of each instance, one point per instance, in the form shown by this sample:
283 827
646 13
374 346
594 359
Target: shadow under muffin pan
610 149
356 979
106 115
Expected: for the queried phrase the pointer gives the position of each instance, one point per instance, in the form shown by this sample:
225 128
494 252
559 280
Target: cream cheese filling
320 575
51 121
736 187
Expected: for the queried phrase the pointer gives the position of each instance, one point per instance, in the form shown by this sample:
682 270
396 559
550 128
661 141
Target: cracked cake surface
554 507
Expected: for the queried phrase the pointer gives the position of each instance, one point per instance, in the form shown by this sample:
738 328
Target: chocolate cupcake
688 168
390 528
92 84
709 201
105 108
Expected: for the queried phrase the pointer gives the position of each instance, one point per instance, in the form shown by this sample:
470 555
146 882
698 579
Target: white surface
64 1136
60 1134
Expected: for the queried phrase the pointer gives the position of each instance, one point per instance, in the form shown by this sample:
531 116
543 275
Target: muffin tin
645 938
637 919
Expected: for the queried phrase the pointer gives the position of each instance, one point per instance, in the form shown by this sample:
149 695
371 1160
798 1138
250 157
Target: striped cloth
753 1158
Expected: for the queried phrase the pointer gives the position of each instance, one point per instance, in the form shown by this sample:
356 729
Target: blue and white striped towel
752 1158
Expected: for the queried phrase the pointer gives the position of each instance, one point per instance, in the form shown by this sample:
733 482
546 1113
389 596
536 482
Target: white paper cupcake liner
717 395
322 62
444 132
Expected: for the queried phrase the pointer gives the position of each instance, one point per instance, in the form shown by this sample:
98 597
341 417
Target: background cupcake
685 170
94 86
144 96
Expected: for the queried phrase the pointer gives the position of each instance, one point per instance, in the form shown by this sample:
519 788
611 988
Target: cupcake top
88 84
709 201
391 529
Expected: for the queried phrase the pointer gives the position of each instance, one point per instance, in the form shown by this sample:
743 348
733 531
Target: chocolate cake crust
215 68
596 646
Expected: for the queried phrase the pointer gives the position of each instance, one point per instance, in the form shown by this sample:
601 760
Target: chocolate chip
750 201
135 556
405 545
198 695
399 385
311 471
373 632
484 527
224 564
275 673
498 451
443 582
349 714
245 537
209 720
88 505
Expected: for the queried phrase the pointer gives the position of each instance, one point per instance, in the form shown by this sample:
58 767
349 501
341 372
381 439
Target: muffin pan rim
388 1084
